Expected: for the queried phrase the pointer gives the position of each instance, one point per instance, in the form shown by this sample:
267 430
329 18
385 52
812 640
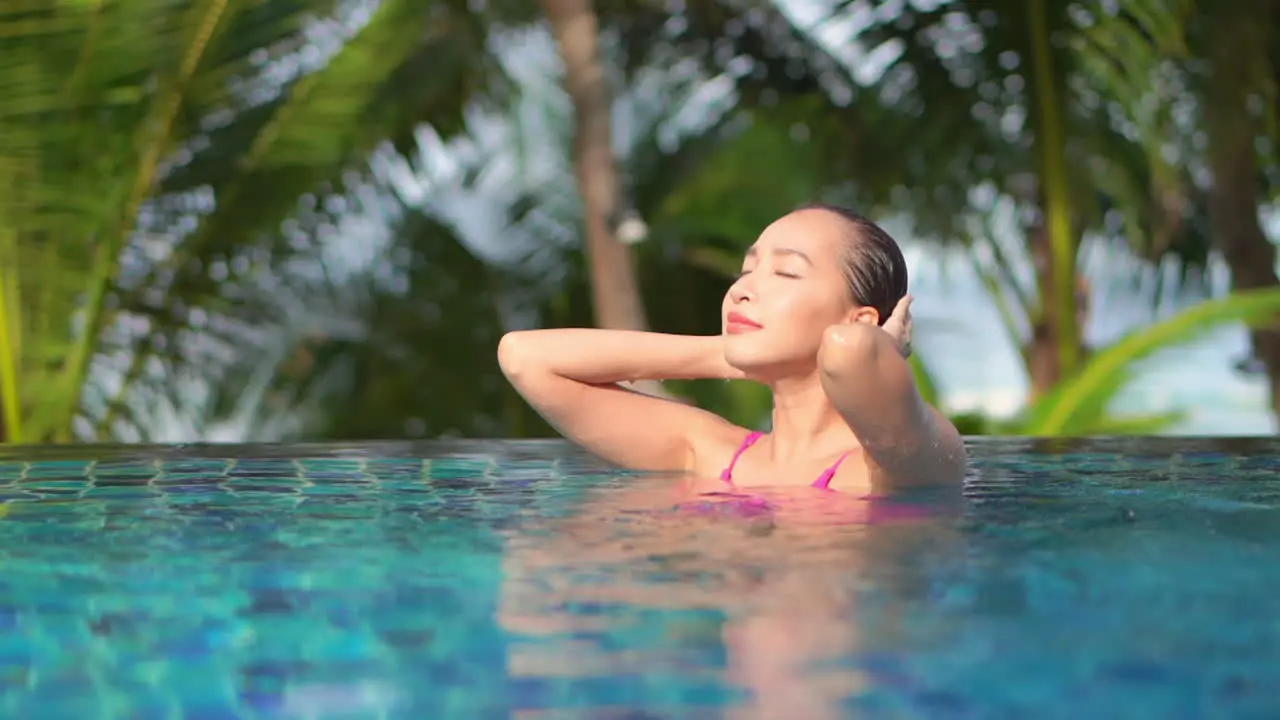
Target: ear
865 314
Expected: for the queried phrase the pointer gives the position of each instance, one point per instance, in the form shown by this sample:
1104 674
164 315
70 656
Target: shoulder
713 445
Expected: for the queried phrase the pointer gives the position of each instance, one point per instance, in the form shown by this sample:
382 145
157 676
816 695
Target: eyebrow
753 252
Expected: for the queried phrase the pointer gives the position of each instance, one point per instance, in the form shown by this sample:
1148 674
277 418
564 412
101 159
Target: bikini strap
748 441
825 478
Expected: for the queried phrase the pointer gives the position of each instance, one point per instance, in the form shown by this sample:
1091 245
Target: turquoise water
1111 578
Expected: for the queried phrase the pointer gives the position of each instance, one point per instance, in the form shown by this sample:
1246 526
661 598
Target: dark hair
874 266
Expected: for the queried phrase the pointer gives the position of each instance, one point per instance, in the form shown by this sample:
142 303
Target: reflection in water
789 605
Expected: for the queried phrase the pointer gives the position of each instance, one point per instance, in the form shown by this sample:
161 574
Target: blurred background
283 220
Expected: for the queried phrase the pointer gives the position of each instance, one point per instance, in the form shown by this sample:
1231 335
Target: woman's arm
906 441
570 377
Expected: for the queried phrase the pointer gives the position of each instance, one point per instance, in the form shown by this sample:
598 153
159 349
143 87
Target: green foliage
98 98
1078 406
175 174
125 124
420 361
1082 404
758 173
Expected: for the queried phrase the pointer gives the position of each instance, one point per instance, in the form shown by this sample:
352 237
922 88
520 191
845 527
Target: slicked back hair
873 263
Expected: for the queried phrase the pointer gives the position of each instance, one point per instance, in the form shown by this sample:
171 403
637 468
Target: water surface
1109 578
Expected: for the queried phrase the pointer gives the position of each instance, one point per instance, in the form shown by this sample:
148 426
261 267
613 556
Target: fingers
902 311
907 325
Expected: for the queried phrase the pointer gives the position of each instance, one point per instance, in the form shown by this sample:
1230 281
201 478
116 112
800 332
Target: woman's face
791 290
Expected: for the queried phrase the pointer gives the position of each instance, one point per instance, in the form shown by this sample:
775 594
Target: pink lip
737 324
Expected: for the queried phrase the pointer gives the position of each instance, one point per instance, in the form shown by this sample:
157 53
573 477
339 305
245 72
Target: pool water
1105 578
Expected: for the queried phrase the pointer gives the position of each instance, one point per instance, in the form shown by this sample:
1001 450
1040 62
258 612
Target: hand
899 325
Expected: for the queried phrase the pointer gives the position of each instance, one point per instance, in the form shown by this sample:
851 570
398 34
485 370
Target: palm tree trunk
615 292
10 350
616 302
1238 48
1040 354
1054 350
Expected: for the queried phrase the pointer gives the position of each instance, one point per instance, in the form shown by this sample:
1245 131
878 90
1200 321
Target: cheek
807 312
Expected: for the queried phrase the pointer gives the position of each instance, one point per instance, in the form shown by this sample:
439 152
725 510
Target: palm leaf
99 96
1144 424
1084 398
103 102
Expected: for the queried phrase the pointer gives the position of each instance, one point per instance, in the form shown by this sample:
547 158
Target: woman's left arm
867 378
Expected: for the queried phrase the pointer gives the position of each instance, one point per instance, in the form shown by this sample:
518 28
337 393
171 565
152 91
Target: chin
759 361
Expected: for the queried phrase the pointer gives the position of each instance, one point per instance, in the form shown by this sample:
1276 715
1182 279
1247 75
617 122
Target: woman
820 314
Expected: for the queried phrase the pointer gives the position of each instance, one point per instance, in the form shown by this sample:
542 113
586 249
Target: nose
742 290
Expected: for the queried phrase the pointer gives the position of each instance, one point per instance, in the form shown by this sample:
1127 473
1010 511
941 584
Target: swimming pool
1109 578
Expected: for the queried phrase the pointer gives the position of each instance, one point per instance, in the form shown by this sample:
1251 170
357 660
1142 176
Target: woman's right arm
571 375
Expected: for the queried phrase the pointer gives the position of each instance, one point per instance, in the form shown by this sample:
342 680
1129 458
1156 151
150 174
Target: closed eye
786 274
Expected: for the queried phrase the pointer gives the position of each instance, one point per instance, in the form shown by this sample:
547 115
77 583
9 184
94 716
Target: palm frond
124 122
1076 405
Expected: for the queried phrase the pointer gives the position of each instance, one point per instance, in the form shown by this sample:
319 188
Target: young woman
820 314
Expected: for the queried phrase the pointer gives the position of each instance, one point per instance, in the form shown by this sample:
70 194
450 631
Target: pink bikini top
822 482
753 506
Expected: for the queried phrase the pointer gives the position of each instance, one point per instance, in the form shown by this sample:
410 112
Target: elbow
513 354
850 349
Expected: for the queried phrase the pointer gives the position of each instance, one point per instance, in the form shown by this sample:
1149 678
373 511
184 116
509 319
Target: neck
804 420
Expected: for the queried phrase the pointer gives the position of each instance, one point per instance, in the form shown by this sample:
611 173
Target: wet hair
873 267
